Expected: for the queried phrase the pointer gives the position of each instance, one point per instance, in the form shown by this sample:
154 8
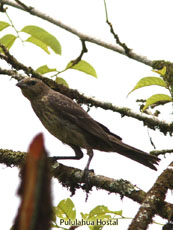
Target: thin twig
84 50
75 61
13 26
82 36
150 138
123 45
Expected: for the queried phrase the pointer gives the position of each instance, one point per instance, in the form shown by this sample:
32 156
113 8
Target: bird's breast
57 125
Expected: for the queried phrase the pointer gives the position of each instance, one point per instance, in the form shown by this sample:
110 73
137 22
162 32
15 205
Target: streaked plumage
67 121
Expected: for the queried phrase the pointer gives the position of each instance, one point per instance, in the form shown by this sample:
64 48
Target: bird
72 125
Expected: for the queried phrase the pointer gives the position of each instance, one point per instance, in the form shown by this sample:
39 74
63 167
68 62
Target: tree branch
152 123
161 152
82 36
153 200
73 178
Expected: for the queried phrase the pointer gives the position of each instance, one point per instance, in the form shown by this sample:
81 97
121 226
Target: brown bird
68 122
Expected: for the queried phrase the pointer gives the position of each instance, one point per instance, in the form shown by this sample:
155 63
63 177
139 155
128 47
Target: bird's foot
87 182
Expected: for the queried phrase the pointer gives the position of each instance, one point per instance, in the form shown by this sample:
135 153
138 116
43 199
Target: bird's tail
135 154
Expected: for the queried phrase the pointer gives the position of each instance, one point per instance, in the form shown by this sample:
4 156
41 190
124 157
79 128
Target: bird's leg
90 154
78 154
86 172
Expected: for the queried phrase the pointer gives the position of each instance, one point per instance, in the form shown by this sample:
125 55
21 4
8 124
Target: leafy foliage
148 81
161 72
66 209
157 99
42 38
95 219
45 69
38 43
7 40
3 25
82 66
61 81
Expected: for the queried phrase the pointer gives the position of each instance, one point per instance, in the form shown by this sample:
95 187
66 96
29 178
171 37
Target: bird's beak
21 84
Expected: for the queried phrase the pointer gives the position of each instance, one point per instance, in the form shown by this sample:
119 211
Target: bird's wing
108 131
74 113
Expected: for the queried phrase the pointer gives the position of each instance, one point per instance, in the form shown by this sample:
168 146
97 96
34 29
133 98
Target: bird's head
32 88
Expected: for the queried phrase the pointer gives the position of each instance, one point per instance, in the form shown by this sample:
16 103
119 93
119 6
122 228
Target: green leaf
45 69
147 81
102 210
61 81
84 215
44 36
162 71
66 209
95 227
155 99
84 67
119 213
7 41
38 43
3 25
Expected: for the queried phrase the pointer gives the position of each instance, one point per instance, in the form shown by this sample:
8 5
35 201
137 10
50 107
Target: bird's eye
32 82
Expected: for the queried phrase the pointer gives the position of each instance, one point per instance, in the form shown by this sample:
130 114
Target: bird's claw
87 183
